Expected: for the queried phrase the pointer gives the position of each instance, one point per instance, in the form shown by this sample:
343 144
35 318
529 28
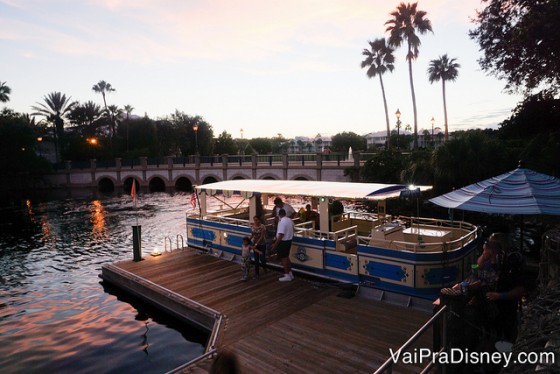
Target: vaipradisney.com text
464 356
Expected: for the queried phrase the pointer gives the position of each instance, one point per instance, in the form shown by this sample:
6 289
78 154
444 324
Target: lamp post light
398 114
433 120
40 140
241 143
93 142
195 128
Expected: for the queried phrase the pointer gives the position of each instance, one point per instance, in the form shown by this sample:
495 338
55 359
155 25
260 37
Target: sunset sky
264 66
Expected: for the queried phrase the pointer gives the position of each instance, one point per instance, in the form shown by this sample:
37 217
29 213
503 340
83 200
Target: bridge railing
156 161
303 159
130 162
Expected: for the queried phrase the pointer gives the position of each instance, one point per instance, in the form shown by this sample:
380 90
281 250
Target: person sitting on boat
258 237
246 248
311 215
283 243
279 204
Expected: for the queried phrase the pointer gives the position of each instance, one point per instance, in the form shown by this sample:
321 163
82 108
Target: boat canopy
339 190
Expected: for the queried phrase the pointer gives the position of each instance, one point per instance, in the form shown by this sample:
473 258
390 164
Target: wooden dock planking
285 327
332 339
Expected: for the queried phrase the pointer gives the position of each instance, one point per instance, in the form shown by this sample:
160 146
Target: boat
411 256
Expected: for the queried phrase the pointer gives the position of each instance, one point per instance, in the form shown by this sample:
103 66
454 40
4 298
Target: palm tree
406 22
86 116
103 87
128 109
445 69
56 107
4 92
380 59
114 111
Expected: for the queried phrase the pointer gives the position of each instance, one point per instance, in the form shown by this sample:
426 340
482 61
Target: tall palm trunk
445 110
56 153
386 112
413 99
104 101
111 123
111 119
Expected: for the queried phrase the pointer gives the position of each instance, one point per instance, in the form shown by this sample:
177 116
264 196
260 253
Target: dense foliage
19 162
225 144
343 141
520 42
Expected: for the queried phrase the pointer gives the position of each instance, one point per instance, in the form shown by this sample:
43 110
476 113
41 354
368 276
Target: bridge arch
211 178
239 176
269 177
183 183
302 177
156 184
106 184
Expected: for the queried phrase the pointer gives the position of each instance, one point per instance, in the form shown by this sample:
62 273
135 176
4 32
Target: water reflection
54 313
99 230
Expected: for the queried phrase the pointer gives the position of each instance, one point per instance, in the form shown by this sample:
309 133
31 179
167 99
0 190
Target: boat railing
405 220
439 222
401 245
305 229
229 220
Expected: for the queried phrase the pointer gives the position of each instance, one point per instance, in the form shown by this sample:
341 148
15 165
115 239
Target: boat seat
349 244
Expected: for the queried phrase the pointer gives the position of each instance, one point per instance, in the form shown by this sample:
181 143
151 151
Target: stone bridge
182 173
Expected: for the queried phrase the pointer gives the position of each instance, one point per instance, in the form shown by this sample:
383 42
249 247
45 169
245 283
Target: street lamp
40 139
195 128
398 114
93 142
241 143
433 120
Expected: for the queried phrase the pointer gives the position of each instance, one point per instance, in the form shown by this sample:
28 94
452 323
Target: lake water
56 316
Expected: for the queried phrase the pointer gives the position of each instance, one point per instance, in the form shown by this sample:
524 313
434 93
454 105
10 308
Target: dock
303 326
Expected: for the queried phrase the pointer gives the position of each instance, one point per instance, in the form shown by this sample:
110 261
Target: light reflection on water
55 314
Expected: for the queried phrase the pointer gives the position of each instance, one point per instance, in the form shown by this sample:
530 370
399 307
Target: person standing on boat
258 237
283 243
279 204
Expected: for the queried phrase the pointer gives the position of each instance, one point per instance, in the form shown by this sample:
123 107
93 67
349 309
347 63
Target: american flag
193 200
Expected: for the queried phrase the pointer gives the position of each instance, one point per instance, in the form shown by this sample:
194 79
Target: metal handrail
387 366
165 240
210 347
192 362
182 241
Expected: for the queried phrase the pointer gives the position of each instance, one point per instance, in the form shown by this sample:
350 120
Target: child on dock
246 248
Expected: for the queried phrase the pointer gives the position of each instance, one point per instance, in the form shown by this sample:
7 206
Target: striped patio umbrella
521 191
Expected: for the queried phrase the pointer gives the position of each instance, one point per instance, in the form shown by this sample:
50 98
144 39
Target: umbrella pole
521 235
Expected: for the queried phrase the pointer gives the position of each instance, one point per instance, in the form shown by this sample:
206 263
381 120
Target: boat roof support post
324 215
253 207
202 203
